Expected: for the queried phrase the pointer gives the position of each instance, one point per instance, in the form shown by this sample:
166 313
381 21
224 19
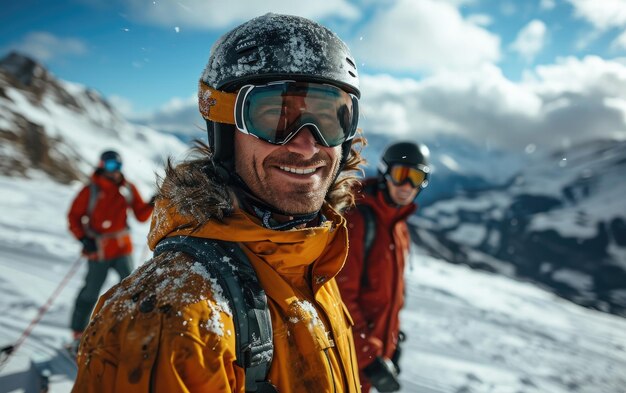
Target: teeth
298 171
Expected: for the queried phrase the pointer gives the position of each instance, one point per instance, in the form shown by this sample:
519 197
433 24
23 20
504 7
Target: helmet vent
349 60
352 74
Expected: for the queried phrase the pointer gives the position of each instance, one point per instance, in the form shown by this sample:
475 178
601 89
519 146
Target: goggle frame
240 123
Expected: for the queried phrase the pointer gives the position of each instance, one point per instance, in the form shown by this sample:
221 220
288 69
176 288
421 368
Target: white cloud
214 14
591 75
530 39
619 43
45 46
424 35
574 99
602 14
480 19
547 4
179 115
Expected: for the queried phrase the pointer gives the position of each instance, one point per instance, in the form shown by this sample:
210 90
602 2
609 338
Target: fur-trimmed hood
196 190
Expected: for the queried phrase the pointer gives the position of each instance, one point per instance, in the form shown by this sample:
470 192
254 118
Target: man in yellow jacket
280 96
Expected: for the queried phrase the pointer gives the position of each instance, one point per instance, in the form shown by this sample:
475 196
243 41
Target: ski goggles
400 174
275 112
112 165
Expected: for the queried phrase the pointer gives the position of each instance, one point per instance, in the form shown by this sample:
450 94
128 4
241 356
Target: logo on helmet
245 45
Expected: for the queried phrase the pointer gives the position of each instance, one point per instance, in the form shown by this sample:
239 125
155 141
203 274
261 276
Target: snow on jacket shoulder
152 333
166 328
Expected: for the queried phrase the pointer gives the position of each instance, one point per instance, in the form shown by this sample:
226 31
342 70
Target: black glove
89 245
382 374
395 358
152 200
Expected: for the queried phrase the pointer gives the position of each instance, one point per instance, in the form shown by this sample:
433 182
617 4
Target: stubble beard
291 198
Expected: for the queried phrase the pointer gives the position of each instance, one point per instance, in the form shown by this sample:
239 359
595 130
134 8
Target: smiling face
293 178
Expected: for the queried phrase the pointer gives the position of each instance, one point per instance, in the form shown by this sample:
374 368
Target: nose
407 186
304 143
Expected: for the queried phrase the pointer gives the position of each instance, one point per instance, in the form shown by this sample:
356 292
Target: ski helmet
270 48
409 154
110 160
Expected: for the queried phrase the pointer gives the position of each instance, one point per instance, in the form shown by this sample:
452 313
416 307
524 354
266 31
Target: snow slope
468 332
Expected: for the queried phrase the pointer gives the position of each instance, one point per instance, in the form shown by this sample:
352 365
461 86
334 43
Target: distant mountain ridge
59 128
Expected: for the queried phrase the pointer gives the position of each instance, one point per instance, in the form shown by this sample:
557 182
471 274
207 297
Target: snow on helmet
277 47
269 48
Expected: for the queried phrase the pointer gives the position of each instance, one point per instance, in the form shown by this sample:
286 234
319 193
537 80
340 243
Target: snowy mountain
561 222
60 128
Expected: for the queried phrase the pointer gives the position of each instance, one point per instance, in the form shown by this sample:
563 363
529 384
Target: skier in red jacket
97 218
371 281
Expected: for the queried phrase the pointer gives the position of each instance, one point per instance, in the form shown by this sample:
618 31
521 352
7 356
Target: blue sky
493 64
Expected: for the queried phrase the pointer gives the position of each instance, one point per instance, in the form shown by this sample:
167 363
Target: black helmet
405 153
110 155
274 47
409 154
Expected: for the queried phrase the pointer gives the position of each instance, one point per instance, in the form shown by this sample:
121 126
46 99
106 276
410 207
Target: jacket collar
104 183
389 214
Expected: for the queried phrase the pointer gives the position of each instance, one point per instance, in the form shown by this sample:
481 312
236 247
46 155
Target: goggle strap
215 105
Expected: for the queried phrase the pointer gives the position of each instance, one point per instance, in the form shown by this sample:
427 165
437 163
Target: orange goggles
400 174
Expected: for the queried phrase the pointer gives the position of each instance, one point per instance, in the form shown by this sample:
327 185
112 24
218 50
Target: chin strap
267 213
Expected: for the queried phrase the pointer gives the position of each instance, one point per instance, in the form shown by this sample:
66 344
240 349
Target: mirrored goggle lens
112 165
277 111
399 175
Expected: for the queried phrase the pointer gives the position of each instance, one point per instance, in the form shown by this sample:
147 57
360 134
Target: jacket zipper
330 368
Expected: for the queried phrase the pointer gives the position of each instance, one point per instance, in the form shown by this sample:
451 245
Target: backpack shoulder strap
369 221
253 325
93 198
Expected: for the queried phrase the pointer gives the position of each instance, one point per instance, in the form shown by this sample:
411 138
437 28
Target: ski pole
6 352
